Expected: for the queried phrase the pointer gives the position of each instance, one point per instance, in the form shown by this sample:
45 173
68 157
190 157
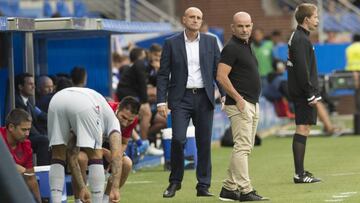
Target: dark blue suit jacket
173 73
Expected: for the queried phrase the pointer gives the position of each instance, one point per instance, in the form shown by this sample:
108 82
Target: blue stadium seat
80 9
62 8
331 23
47 10
9 8
351 22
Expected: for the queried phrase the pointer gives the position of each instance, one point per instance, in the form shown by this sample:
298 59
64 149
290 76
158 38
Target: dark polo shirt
244 74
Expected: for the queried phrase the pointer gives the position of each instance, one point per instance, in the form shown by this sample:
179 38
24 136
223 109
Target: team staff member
191 59
79 117
303 85
15 134
238 74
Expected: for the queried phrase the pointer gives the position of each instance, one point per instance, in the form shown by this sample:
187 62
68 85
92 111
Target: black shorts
304 113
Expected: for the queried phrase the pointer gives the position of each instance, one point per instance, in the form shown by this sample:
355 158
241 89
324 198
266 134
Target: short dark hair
276 33
135 53
356 38
16 117
304 10
20 79
62 83
155 48
129 103
78 75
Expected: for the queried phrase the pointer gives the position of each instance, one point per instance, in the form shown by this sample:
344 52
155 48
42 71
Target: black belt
195 90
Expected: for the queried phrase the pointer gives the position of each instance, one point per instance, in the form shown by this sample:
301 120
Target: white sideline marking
139 182
348 193
341 196
344 174
337 197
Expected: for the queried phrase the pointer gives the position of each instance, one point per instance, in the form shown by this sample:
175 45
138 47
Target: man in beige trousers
239 76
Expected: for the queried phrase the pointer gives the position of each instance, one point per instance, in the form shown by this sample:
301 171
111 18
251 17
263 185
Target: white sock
96 180
78 201
56 180
105 198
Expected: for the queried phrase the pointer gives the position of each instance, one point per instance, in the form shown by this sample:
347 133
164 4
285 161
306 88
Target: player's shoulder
27 145
297 38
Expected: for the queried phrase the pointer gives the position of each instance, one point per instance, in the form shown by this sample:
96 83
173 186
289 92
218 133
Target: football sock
299 145
96 180
56 180
105 198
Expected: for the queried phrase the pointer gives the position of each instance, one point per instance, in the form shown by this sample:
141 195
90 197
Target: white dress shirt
25 99
194 79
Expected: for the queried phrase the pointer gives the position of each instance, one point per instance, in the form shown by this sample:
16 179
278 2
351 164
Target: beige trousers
243 126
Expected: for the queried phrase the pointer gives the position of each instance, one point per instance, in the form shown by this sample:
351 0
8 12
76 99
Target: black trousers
40 146
195 105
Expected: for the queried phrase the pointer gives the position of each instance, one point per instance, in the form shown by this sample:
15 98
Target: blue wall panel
3 98
19 48
91 53
18 42
329 56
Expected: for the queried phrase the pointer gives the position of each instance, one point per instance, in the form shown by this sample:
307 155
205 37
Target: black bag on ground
227 139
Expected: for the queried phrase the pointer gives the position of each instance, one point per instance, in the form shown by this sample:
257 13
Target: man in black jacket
133 82
303 85
25 88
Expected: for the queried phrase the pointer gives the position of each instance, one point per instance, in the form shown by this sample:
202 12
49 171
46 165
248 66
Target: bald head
241 17
192 19
192 10
45 85
242 25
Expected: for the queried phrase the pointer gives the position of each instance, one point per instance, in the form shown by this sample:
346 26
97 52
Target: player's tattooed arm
116 163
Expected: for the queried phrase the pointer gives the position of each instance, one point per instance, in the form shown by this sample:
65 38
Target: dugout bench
346 80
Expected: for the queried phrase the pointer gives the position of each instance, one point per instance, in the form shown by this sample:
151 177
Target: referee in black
303 85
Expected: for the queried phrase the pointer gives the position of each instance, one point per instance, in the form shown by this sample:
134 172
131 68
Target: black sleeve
301 58
216 61
162 79
141 81
228 55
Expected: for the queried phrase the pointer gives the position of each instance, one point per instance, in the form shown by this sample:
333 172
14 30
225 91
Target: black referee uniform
302 76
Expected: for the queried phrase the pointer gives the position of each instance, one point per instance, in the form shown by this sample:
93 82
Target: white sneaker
152 150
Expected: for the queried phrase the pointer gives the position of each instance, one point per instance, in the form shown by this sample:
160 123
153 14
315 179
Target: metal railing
131 10
128 10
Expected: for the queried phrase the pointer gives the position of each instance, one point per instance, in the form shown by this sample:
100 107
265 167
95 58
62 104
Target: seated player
15 134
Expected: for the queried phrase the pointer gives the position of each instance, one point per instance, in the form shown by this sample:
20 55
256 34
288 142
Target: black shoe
203 193
228 195
171 190
252 196
306 177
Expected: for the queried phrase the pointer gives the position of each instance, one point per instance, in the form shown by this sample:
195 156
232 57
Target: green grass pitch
335 160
